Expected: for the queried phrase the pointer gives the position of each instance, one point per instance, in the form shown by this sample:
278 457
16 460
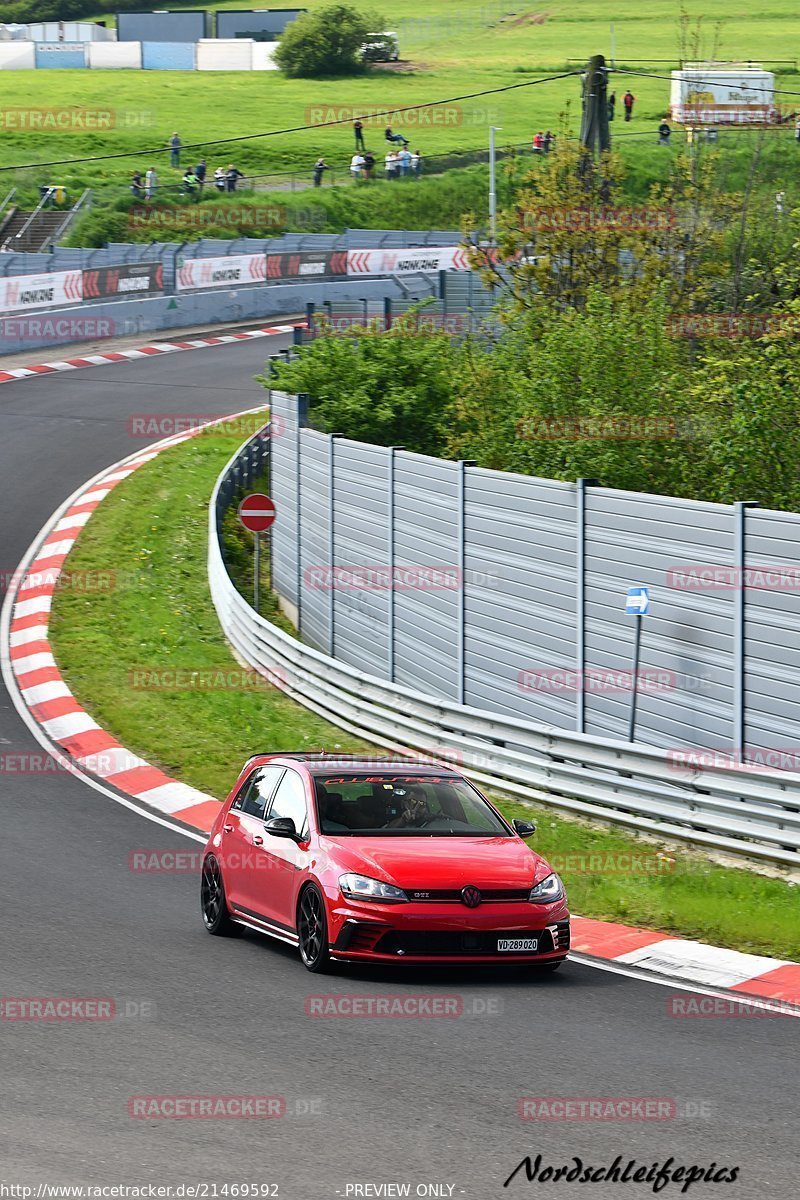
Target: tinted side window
290 800
257 790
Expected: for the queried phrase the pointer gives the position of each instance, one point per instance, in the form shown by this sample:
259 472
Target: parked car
381 47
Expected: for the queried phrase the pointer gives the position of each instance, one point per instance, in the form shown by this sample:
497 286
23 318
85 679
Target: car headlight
550 889
359 887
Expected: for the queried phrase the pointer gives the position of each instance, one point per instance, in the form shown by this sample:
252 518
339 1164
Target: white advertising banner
232 270
21 292
407 262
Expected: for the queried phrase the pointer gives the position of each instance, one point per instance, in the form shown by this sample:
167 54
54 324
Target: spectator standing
416 164
356 165
191 184
538 143
137 185
390 164
219 179
548 141
628 101
369 164
200 172
664 132
611 104
394 137
319 166
150 184
404 158
232 177
358 130
175 150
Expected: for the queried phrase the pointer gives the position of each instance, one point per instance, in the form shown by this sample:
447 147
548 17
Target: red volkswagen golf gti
359 860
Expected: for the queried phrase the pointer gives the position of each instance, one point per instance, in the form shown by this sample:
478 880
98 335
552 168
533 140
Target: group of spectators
397 163
628 101
543 143
224 179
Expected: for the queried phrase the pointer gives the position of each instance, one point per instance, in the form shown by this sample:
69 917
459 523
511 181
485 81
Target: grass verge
151 532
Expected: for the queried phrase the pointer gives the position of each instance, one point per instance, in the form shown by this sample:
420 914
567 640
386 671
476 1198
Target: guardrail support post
461 551
310 317
387 312
739 666
580 599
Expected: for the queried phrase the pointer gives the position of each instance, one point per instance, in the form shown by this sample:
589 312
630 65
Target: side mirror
281 827
523 828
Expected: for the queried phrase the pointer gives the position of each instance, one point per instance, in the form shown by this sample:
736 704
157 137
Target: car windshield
367 805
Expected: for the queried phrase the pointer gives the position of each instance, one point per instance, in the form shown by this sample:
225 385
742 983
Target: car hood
440 862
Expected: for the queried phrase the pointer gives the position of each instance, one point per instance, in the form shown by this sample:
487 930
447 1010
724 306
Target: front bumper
448 933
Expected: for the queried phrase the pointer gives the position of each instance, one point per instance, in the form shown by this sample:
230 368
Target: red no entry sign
257 512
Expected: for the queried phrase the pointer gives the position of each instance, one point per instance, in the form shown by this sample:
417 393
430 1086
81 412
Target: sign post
637 605
257 512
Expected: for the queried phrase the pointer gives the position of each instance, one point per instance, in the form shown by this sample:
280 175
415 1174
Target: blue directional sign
637 602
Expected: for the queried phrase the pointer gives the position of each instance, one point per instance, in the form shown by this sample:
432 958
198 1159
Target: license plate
504 945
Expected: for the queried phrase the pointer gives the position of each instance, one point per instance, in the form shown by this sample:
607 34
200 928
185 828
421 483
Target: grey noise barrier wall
436 669
530 621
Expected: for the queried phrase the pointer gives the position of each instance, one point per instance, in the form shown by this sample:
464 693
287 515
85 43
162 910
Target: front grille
442 942
454 895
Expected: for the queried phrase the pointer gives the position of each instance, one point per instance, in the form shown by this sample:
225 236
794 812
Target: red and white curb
27 655
775 981
113 356
30 670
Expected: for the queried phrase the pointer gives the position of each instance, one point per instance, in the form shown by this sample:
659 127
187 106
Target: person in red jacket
628 100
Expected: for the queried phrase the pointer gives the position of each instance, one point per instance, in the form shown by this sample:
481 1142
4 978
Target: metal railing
20 234
5 204
753 815
83 202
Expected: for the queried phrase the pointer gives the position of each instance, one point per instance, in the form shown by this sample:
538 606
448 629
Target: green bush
388 388
325 42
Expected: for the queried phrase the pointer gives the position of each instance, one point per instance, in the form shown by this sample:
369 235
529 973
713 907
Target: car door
243 834
283 858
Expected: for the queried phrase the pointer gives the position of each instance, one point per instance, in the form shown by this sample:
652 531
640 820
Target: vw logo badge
470 896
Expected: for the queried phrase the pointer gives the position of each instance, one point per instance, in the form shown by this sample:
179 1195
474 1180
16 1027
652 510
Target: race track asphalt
368 1101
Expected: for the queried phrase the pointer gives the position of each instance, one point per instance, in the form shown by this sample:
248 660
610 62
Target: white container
704 94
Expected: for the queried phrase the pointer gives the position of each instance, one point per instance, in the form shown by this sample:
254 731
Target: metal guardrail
756 815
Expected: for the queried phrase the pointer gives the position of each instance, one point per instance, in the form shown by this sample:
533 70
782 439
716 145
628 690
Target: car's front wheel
213 904
312 931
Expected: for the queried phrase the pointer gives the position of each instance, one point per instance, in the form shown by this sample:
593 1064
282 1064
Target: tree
326 42
386 387
572 229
